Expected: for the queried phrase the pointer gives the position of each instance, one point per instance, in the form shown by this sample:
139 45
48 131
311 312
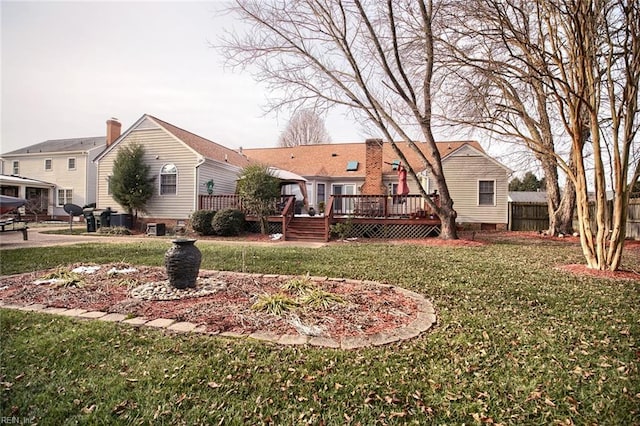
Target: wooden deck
363 216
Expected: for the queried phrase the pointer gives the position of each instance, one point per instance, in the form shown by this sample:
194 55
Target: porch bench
11 225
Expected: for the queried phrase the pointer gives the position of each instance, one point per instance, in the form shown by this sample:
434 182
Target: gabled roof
60 146
332 159
202 146
197 144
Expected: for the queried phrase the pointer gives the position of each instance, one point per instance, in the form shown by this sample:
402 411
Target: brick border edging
426 318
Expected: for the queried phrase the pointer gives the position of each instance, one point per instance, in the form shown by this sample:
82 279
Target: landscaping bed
357 308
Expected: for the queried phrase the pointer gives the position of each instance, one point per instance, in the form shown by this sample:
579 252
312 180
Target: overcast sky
69 66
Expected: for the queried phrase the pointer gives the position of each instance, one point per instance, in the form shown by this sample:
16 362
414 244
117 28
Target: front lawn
517 342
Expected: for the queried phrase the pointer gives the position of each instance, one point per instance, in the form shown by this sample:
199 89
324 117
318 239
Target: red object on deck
403 188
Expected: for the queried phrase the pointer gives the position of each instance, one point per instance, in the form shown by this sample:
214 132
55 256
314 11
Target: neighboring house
66 163
35 191
185 166
477 183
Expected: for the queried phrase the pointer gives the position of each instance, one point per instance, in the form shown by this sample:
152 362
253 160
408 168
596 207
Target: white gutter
201 161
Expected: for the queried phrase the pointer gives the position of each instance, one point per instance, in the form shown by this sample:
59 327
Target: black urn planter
182 261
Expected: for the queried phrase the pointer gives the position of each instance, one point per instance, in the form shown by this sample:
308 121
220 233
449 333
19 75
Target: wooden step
306 229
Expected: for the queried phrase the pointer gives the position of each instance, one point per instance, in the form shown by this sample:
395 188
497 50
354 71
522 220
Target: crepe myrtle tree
554 70
373 58
258 188
131 183
494 84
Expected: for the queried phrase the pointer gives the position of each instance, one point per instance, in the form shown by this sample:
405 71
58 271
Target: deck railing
221 202
287 212
382 206
370 206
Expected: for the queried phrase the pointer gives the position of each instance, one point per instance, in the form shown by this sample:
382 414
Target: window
48 164
352 166
168 180
16 168
65 196
109 191
38 199
320 193
71 163
486 192
396 199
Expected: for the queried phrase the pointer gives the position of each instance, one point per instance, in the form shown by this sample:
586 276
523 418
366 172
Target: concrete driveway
13 240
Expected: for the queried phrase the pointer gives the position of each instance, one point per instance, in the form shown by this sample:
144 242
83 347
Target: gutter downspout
201 161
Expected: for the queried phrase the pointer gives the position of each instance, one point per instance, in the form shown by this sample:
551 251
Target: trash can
90 219
105 218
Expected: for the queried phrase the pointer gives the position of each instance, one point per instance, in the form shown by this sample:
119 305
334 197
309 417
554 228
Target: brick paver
425 319
160 323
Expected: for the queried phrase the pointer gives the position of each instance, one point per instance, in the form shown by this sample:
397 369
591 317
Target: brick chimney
113 130
373 168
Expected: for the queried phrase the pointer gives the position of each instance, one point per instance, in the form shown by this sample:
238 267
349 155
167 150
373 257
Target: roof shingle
62 145
332 159
205 147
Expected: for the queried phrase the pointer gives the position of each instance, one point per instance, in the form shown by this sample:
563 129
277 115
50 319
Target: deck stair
302 228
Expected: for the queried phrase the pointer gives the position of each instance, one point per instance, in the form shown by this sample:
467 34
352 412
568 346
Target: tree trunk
264 225
550 171
563 215
446 213
448 229
560 204
584 216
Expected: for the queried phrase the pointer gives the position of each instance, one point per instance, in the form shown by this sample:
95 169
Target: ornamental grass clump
298 285
320 299
276 304
128 283
64 278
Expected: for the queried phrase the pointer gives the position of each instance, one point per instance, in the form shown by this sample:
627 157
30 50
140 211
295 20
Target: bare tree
37 204
304 128
573 62
492 88
373 57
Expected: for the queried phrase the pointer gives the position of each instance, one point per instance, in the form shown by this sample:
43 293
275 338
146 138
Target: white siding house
185 166
478 185
66 163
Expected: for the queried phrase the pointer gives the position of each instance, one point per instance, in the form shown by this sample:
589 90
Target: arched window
168 180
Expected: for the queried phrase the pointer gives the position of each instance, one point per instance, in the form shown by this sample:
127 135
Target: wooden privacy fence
528 217
633 219
535 217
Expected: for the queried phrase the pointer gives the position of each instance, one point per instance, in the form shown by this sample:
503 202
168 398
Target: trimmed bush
228 222
201 221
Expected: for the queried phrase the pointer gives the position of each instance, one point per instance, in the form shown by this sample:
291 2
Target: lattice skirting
274 227
392 231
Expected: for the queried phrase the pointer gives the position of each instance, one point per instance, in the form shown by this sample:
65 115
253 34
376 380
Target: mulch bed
367 309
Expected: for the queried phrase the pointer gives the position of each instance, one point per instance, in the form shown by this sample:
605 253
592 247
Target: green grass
517 342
